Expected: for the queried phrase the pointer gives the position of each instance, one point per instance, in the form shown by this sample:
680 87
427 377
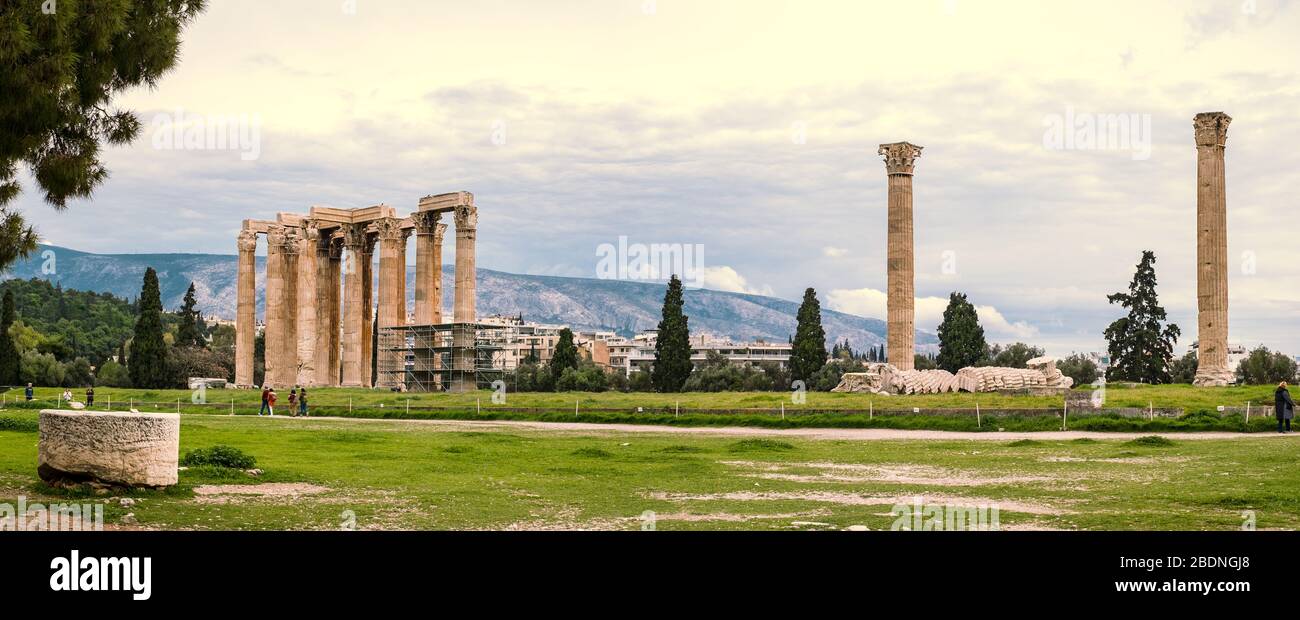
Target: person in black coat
1283 407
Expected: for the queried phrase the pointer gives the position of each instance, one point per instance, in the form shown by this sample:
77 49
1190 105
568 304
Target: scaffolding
453 357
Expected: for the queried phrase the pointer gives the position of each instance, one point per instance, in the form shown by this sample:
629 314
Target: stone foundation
120 449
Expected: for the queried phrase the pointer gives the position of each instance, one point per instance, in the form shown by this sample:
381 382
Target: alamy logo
92 574
654 261
51 518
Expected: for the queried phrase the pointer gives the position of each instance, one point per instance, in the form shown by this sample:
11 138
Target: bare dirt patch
859 499
886 473
227 493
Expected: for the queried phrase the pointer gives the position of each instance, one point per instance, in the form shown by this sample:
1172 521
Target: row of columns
320 309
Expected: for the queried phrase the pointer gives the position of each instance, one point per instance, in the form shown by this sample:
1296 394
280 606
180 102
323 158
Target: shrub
1080 368
760 445
219 456
1150 441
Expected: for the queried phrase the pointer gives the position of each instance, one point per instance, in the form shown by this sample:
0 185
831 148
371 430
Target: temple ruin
321 309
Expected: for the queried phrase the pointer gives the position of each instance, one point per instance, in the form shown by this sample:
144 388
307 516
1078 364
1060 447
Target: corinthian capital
426 221
900 157
466 217
1211 128
275 237
389 228
439 232
354 236
247 241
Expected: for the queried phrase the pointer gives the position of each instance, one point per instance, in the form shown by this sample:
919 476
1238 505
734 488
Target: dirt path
841 434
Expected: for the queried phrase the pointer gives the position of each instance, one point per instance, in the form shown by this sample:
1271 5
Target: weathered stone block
124 449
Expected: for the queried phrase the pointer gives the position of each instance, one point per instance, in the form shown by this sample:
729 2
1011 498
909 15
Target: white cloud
834 252
726 279
872 303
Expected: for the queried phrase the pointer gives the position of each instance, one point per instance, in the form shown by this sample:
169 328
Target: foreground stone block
122 449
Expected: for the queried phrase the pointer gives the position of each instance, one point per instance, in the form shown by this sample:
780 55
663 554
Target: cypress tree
187 330
809 352
566 354
148 368
9 359
673 345
961 339
1140 347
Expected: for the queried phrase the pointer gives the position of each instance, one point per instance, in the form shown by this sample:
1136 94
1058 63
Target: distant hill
583 303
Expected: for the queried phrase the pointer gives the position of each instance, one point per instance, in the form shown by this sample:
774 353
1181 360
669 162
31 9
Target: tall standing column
326 291
392 292
288 370
368 308
246 309
1211 250
336 312
275 323
900 160
428 267
463 312
354 317
306 322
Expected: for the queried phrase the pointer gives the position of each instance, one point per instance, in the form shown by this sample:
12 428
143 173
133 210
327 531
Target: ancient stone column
336 312
462 363
275 323
392 289
288 369
306 324
368 308
246 312
327 285
900 160
1211 250
428 267
354 317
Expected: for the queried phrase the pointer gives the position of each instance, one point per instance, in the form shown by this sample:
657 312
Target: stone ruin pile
887 379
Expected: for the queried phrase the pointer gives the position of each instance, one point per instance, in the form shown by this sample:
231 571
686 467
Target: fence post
677 409
1151 410
478 406
575 409
978 423
178 405
1065 415
782 411
131 405
232 406
408 406
871 409
1247 415
349 405
110 403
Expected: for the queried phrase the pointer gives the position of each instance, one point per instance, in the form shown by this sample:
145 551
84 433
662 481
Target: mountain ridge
625 307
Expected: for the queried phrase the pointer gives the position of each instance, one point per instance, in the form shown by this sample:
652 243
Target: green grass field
393 474
764 409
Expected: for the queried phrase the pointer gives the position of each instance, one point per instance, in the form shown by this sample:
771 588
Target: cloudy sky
750 128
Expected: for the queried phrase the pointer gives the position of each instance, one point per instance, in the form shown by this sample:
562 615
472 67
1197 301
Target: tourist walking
67 396
293 402
30 393
266 394
90 396
1283 408
270 401
302 402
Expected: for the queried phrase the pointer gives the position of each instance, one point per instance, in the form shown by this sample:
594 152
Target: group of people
297 402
